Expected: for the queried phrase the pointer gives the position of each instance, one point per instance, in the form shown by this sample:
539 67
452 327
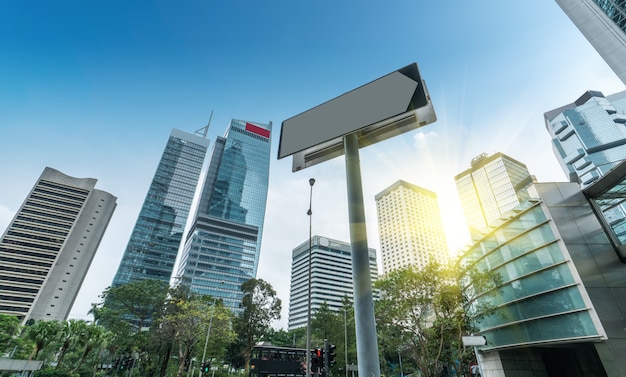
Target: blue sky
93 90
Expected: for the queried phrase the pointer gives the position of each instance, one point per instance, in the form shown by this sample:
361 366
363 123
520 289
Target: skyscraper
331 277
153 245
48 246
603 23
410 227
558 307
588 136
492 186
222 247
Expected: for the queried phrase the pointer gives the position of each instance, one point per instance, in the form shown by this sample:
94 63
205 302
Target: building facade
331 277
491 187
588 135
558 309
48 247
410 227
603 23
153 245
222 248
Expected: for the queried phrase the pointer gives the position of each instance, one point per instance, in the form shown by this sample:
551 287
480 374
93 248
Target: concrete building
410 227
153 245
559 309
222 248
331 277
603 23
491 187
48 247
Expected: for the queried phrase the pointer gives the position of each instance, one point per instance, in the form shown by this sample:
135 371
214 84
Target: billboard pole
365 323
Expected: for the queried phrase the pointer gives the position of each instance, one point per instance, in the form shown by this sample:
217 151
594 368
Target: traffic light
206 367
330 355
124 363
317 360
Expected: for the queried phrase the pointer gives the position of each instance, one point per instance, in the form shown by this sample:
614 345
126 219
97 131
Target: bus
272 361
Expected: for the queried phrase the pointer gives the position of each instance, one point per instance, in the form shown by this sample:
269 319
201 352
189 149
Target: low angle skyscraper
410 227
491 187
331 277
153 245
559 305
589 135
222 248
48 247
603 23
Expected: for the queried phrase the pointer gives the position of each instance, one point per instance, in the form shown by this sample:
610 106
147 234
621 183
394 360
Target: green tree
42 334
423 313
138 303
260 307
280 338
189 323
9 328
72 333
95 338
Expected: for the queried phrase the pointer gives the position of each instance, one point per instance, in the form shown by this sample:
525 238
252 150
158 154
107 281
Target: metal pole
308 313
345 337
365 324
208 332
400 358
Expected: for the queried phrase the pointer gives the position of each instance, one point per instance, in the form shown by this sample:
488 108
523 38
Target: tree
423 313
137 303
188 321
94 338
72 332
260 307
9 328
42 334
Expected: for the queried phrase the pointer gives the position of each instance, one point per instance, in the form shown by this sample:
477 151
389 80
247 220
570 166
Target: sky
93 89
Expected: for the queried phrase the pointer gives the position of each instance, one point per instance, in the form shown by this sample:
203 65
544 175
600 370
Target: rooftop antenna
204 130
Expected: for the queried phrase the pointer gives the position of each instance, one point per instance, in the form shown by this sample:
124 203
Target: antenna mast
204 130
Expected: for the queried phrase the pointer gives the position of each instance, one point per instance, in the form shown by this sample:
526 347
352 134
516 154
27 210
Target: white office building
331 277
410 227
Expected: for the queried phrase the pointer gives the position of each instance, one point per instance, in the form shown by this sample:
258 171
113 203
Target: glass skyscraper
554 300
491 187
222 248
603 23
153 246
588 136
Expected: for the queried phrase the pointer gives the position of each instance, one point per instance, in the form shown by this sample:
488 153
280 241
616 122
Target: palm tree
95 337
71 333
41 333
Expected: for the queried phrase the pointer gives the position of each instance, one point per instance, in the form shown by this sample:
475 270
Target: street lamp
308 314
345 337
208 332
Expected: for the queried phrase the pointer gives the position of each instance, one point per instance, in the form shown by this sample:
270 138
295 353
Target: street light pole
308 315
208 332
345 337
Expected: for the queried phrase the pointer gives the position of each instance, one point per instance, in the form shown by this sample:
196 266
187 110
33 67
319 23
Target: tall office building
153 245
491 187
331 277
410 227
603 23
48 246
588 136
222 248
